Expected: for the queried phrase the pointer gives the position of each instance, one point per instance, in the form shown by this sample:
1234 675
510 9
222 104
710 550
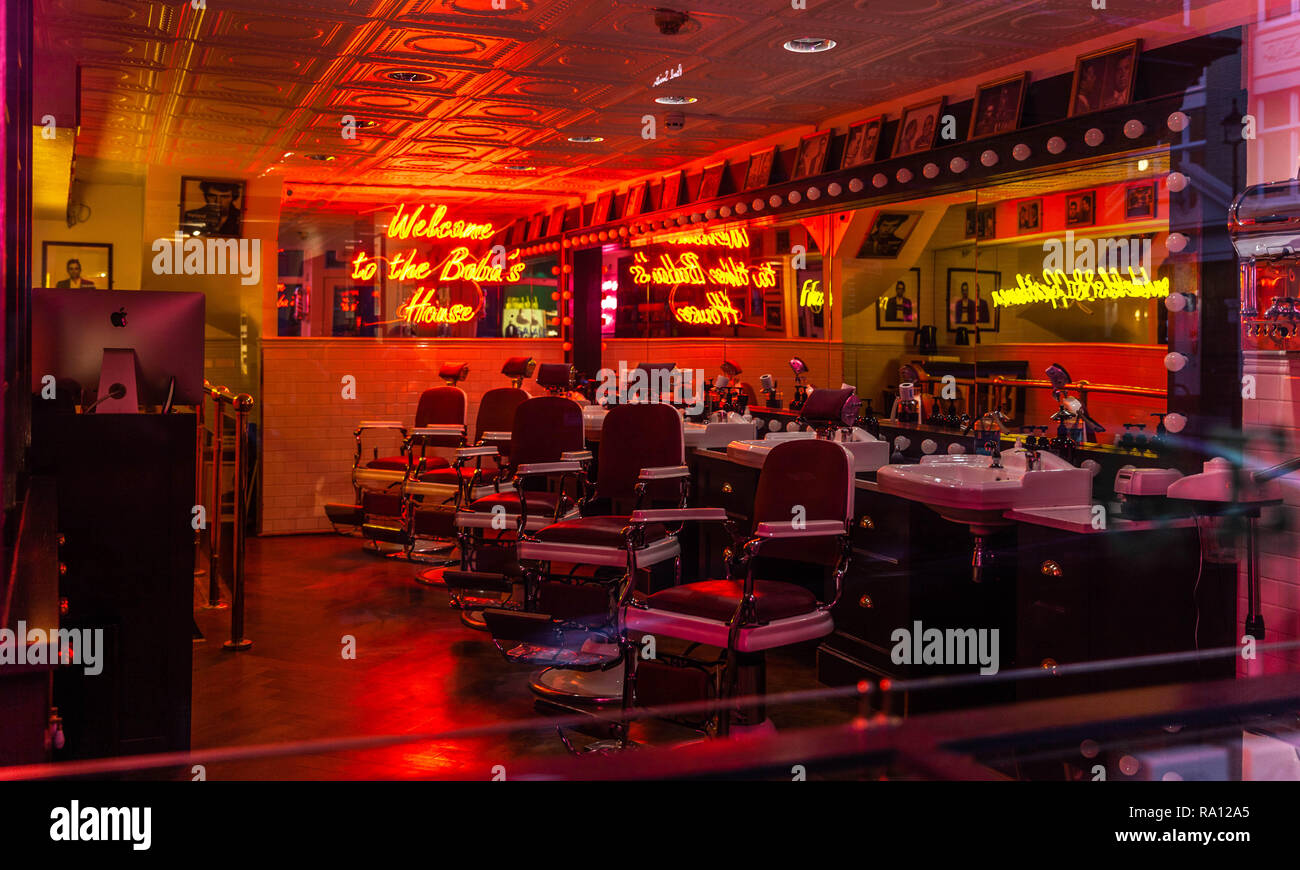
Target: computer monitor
72 329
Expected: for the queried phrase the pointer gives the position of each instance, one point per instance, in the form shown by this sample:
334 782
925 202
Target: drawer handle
866 522
728 488
1050 568
865 601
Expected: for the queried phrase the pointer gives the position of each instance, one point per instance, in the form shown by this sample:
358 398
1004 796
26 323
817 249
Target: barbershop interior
507 389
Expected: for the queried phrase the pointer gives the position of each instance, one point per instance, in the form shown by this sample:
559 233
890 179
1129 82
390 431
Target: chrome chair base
473 619
566 686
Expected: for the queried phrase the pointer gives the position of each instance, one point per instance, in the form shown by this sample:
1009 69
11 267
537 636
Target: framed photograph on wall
600 211
889 232
998 106
77 265
711 181
970 300
862 142
535 226
1104 79
1140 200
812 154
917 128
981 222
1081 208
556 222
759 173
212 207
773 318
899 308
635 199
1029 215
672 190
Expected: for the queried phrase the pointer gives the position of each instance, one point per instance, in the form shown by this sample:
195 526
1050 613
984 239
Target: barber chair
527 493
576 570
432 497
802 510
736 395
440 422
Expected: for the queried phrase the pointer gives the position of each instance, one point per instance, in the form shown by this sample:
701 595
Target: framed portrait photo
899 308
212 207
1140 201
77 265
889 231
917 129
970 300
981 222
672 190
600 211
635 201
773 319
759 173
1029 215
862 142
812 154
998 106
1081 208
1104 79
711 180
555 224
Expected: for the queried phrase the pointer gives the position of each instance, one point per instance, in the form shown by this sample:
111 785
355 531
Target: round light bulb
930 170
989 158
855 185
1175 361
928 446
774 200
879 179
958 164
725 211
1021 152
1056 145
1175 422
1094 137
904 175
955 449
1176 182
1134 128
1175 242
834 188
1175 302
1177 122
758 204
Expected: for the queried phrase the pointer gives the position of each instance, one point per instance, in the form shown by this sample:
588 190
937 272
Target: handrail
1082 387
241 405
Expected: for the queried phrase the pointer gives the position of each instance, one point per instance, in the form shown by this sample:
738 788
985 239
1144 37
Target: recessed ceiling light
362 123
518 167
809 45
409 76
585 139
676 101
323 158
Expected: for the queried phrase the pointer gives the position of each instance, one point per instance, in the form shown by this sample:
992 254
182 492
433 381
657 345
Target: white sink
868 454
707 435
968 489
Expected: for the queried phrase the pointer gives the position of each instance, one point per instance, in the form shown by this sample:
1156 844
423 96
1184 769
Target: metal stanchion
243 403
199 414
219 395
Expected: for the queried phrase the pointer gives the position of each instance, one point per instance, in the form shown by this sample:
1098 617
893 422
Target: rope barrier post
200 412
219 395
243 404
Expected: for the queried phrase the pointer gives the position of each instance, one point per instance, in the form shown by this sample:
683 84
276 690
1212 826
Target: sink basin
868 454
707 435
968 489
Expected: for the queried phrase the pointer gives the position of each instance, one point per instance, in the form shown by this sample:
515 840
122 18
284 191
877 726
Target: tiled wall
307 424
1275 410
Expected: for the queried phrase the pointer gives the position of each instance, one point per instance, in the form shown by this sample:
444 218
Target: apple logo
118 317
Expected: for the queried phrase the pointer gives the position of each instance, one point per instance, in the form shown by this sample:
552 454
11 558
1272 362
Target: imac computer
138 346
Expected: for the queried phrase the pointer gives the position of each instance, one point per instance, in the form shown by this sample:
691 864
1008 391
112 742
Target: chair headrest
730 369
826 406
519 367
453 373
798 366
555 376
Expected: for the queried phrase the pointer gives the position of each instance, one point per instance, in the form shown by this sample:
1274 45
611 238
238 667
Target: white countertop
1079 519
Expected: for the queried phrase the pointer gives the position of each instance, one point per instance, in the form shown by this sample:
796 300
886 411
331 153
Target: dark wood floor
417 670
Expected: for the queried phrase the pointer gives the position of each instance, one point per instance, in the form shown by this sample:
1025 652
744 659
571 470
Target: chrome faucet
993 422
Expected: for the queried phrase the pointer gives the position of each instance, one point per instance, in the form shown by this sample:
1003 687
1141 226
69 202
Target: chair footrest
387 534
539 639
555 656
345 514
477 580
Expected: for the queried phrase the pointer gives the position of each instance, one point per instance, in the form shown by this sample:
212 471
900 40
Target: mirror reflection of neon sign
1059 289
812 297
718 312
687 269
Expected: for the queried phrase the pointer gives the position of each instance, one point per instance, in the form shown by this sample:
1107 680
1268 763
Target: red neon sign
718 312
491 268
687 269
423 307
406 225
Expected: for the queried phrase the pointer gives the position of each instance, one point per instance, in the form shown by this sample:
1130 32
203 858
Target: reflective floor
417 669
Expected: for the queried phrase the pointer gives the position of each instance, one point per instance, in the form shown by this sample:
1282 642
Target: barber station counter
1059 585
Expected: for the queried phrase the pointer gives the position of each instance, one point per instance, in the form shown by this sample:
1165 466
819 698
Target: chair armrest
667 472
812 529
471 452
672 515
434 431
538 468
381 424
576 456
496 436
